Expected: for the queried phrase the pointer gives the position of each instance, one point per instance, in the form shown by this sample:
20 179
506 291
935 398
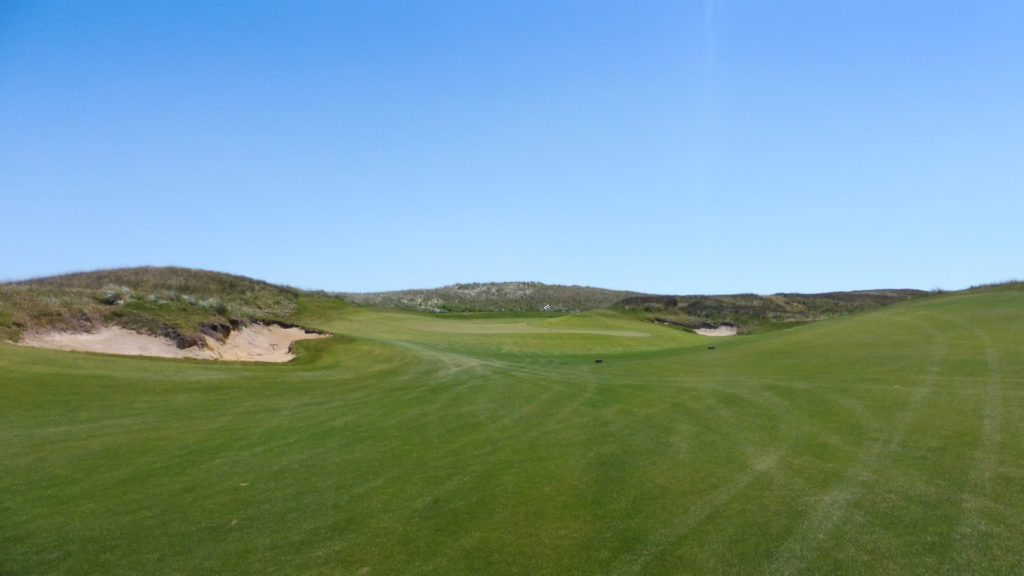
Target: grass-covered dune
751 312
179 303
883 442
757 313
494 297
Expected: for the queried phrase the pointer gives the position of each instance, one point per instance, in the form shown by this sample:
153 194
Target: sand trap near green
723 330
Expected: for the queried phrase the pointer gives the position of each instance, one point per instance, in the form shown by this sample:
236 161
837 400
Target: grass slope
175 302
881 442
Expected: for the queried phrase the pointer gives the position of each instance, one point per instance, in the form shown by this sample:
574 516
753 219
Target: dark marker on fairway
598 361
711 347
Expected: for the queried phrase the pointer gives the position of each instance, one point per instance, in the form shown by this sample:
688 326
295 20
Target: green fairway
886 442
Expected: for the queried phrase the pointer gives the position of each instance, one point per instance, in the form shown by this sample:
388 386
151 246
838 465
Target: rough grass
882 442
756 313
494 297
167 301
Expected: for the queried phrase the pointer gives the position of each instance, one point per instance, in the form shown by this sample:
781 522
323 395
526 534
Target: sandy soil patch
261 343
252 343
724 330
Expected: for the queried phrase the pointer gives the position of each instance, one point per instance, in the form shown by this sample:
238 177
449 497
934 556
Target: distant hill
180 303
749 311
495 297
753 312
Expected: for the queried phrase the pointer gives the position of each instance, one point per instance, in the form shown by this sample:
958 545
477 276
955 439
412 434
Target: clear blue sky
672 147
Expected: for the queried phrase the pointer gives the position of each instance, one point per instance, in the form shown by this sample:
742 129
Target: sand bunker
252 343
723 330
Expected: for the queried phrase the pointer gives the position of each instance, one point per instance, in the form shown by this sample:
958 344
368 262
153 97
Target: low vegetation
755 313
179 303
494 297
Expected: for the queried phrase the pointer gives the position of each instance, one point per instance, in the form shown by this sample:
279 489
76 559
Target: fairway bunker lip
252 343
